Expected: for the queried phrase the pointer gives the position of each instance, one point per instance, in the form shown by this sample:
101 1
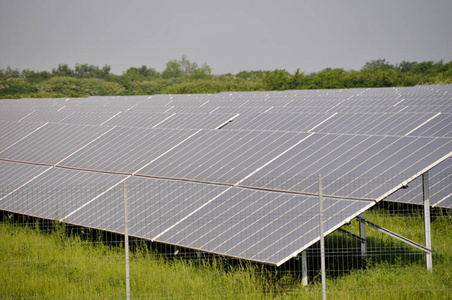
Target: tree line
186 77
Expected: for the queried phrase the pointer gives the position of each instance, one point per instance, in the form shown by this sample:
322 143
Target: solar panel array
229 173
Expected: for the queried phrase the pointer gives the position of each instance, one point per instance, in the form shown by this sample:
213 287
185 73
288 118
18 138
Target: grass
37 264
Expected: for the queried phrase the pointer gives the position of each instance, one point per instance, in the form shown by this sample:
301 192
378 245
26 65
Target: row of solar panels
400 98
364 165
397 124
213 186
263 226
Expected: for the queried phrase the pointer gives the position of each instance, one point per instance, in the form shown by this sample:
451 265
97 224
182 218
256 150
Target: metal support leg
428 238
362 235
322 239
304 268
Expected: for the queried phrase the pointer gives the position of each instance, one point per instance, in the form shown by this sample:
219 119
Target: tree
178 68
187 67
379 64
276 80
173 69
63 70
406 66
12 73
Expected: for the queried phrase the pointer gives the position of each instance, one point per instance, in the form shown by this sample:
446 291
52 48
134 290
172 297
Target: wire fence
201 240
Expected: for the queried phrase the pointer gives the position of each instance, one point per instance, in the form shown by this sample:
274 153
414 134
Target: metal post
362 235
126 246
322 240
304 268
428 238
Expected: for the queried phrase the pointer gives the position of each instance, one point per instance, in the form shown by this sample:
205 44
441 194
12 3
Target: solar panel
441 125
257 225
222 156
440 182
12 115
170 120
298 122
14 132
358 161
57 192
375 124
51 143
245 188
15 175
46 116
126 149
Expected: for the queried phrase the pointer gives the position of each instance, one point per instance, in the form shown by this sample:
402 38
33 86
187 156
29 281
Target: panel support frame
395 235
304 268
362 235
427 229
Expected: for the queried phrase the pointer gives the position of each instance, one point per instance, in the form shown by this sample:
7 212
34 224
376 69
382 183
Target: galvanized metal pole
428 237
304 268
322 240
126 241
362 234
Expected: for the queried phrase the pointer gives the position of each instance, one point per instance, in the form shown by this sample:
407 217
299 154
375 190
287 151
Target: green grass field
40 265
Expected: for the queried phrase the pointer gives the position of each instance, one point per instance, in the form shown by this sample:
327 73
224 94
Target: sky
229 36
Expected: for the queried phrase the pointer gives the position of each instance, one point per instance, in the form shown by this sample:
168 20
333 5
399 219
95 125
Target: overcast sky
230 36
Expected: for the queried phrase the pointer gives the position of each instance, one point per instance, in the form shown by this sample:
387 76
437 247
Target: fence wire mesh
202 240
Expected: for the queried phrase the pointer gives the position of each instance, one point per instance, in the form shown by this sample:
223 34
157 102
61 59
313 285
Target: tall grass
42 265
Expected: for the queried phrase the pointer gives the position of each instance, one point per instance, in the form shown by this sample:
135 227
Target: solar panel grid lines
126 149
105 192
337 214
222 237
289 216
401 124
167 151
403 166
158 236
196 121
312 146
295 122
422 124
13 115
222 156
440 126
137 120
85 145
185 234
165 202
14 176
178 156
440 187
272 160
374 124
88 118
391 161
46 116
173 235
14 132
381 155
51 143
334 156
53 192
167 219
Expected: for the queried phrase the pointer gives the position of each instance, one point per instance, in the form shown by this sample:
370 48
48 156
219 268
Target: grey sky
230 36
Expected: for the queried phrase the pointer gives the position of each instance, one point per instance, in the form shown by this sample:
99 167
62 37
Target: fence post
126 243
322 240
362 234
427 234
304 268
